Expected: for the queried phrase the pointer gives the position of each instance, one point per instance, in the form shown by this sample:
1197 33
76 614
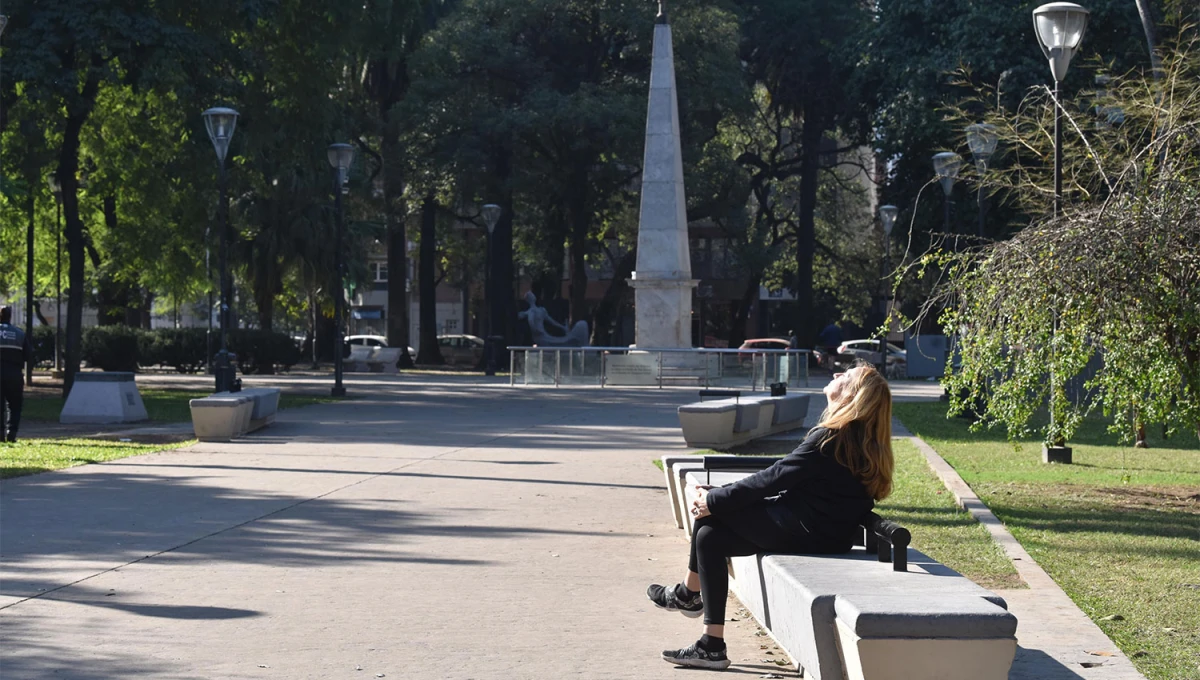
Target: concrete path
434 527
419 532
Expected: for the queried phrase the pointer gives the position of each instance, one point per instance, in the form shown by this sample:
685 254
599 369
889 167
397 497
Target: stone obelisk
663 280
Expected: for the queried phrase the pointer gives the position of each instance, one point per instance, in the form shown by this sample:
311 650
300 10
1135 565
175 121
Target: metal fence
625 366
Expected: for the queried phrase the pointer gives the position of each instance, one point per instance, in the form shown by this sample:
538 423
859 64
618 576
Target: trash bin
225 370
778 389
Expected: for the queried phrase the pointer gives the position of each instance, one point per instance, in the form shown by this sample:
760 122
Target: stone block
101 398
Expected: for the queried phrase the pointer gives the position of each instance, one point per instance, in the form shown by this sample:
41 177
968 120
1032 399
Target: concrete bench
365 359
221 418
859 615
725 423
228 415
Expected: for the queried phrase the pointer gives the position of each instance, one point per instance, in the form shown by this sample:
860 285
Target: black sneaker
696 657
664 597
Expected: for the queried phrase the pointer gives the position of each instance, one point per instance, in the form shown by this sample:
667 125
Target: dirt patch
1183 498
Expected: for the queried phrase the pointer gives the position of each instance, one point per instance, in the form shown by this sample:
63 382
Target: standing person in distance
810 501
15 350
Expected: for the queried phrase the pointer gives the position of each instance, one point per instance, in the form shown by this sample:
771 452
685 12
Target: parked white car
373 341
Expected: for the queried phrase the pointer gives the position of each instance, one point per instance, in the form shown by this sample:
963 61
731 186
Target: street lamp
887 217
340 157
982 138
220 123
491 215
1059 27
56 189
946 165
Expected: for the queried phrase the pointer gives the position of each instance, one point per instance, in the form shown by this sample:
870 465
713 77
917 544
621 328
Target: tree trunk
397 248
503 307
810 166
579 222
737 332
78 111
1143 7
427 284
610 305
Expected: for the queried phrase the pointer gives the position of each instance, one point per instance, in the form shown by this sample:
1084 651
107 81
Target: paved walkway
432 528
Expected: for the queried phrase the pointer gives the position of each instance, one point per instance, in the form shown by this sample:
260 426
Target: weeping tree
1099 308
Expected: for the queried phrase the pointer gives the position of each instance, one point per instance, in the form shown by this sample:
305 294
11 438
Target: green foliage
1100 307
43 345
113 348
260 352
184 349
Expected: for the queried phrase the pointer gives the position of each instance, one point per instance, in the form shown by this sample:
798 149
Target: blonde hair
860 429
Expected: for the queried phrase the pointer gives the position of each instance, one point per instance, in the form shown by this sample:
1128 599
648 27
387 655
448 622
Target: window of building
380 271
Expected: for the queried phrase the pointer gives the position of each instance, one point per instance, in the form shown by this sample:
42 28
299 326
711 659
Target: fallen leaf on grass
1102 653
1139 654
1112 617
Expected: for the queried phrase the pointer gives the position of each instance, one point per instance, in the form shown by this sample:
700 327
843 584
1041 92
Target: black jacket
818 497
15 349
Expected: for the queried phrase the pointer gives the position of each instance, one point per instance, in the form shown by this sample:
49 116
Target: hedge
121 348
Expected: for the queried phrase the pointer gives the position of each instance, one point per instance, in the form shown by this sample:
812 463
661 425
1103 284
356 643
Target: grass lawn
1119 529
30 456
165 406
921 504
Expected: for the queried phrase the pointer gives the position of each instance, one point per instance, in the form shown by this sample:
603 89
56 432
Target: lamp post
491 215
887 217
56 189
340 157
982 138
220 123
946 165
1059 27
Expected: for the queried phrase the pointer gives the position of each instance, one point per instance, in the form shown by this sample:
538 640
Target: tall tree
807 54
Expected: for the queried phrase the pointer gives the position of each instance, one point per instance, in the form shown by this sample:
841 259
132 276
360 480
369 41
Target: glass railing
754 369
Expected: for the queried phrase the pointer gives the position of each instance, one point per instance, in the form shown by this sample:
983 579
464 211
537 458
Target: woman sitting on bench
808 502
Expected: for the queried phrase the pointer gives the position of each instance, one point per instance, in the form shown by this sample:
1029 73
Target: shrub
184 349
112 348
260 352
43 345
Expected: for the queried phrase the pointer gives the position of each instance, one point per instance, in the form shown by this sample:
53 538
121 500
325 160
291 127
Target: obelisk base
663 309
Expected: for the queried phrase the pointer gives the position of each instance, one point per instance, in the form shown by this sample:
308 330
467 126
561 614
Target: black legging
744 532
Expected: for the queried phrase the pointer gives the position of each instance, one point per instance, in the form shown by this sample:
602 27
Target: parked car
461 349
765 343
373 341
868 351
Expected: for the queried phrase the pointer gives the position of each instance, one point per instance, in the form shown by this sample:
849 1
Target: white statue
538 318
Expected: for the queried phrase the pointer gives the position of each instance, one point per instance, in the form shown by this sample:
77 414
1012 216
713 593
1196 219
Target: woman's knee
707 538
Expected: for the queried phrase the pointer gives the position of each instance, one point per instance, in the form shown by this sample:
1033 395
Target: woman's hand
700 505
